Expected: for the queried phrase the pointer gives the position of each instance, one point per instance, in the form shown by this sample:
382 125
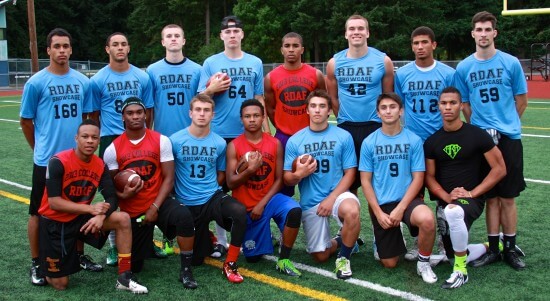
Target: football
218 75
305 158
243 163
126 176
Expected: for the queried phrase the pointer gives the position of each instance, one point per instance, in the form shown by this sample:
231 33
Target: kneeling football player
67 215
258 188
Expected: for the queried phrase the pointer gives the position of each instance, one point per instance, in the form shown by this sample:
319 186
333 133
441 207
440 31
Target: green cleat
168 246
158 252
285 266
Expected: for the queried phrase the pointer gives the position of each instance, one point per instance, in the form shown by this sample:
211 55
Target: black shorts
389 242
104 142
359 131
473 208
57 241
513 183
207 212
38 186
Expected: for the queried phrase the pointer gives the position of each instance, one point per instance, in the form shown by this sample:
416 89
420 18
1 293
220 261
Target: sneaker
186 277
285 266
231 272
127 282
158 252
513 260
412 253
218 251
112 257
168 246
456 280
343 269
425 270
36 277
487 258
86 263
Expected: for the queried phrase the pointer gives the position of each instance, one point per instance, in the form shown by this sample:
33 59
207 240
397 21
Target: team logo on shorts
452 150
250 244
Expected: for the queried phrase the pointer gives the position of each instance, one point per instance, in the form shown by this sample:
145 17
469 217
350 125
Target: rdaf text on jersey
122 88
172 81
354 74
199 153
392 151
65 92
425 88
239 73
320 148
486 77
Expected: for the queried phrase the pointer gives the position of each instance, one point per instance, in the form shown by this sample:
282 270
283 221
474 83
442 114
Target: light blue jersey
420 90
56 104
392 160
174 85
490 86
110 89
359 84
334 151
197 162
247 75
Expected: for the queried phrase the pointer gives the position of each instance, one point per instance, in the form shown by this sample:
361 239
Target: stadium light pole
32 36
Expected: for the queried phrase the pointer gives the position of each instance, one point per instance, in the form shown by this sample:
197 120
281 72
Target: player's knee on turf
60 283
389 263
294 217
321 256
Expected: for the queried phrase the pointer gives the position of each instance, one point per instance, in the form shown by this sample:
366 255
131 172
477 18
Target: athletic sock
494 240
124 262
285 252
423 257
185 259
460 264
509 242
232 253
338 241
345 251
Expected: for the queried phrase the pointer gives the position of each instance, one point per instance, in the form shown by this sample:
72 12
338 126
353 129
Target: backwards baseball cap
234 19
132 101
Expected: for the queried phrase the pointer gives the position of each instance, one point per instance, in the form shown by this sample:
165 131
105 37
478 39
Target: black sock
185 258
338 241
285 252
35 261
509 242
493 243
80 253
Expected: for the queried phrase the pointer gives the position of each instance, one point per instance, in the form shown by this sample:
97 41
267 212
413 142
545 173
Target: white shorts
317 228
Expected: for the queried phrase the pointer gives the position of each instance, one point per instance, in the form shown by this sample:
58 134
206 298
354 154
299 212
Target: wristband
159 209
470 194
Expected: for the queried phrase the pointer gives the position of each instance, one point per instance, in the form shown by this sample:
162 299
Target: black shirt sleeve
54 177
107 189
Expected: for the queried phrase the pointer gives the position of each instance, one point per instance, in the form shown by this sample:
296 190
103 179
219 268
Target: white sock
112 239
457 227
221 235
476 251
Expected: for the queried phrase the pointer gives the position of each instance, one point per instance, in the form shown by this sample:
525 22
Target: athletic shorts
317 228
104 142
283 138
359 131
211 211
257 238
473 208
57 241
38 187
389 242
513 183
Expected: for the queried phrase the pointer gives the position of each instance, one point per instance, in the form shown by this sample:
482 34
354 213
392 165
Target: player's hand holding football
305 169
130 191
255 161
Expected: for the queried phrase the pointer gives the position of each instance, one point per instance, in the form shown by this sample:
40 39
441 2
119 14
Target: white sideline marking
9 120
15 184
537 181
358 282
10 101
539 136
543 102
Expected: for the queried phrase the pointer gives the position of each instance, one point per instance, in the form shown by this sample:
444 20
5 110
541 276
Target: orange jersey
144 158
290 89
257 186
79 184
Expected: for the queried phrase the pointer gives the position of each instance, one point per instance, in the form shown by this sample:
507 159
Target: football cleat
285 266
158 252
168 246
424 270
231 272
86 263
186 277
456 280
36 277
343 268
487 258
218 251
112 257
127 282
513 260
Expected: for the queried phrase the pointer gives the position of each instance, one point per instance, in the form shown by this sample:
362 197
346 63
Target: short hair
60 32
108 41
423 31
391 95
252 102
357 17
451 89
171 26
484 16
321 94
293 35
203 98
86 122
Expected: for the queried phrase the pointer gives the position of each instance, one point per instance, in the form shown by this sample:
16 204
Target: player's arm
149 118
275 188
387 80
435 188
27 126
265 123
332 87
466 111
269 99
325 207
108 191
521 103
167 170
302 170
498 171
366 184
412 192
321 85
233 179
